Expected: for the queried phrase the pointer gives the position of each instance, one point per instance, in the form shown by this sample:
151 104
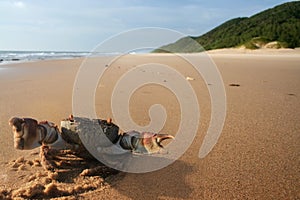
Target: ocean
23 56
20 56
7 57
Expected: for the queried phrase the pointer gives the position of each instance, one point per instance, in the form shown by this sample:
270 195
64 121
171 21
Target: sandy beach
256 157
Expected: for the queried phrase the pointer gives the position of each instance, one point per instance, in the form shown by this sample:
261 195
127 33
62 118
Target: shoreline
216 52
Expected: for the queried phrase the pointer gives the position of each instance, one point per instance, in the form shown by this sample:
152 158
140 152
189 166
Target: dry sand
256 157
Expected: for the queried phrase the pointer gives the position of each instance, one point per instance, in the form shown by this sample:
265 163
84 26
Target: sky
80 25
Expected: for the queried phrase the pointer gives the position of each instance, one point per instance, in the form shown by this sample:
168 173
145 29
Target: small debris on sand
234 85
189 78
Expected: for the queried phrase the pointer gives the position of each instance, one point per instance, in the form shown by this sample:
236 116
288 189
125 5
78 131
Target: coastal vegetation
278 27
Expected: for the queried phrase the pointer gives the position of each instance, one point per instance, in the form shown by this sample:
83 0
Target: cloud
19 4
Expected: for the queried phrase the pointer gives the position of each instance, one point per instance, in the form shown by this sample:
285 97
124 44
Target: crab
63 149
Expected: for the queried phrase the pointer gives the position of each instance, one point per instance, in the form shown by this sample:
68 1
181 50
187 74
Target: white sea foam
7 57
21 56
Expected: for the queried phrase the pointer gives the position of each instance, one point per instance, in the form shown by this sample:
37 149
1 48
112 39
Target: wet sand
256 157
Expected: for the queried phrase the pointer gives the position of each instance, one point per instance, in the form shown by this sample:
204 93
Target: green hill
280 24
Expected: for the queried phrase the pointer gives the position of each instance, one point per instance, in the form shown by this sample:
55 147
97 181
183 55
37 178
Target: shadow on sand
170 182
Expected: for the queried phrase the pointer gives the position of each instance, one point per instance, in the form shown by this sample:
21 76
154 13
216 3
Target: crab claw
143 143
26 132
29 134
